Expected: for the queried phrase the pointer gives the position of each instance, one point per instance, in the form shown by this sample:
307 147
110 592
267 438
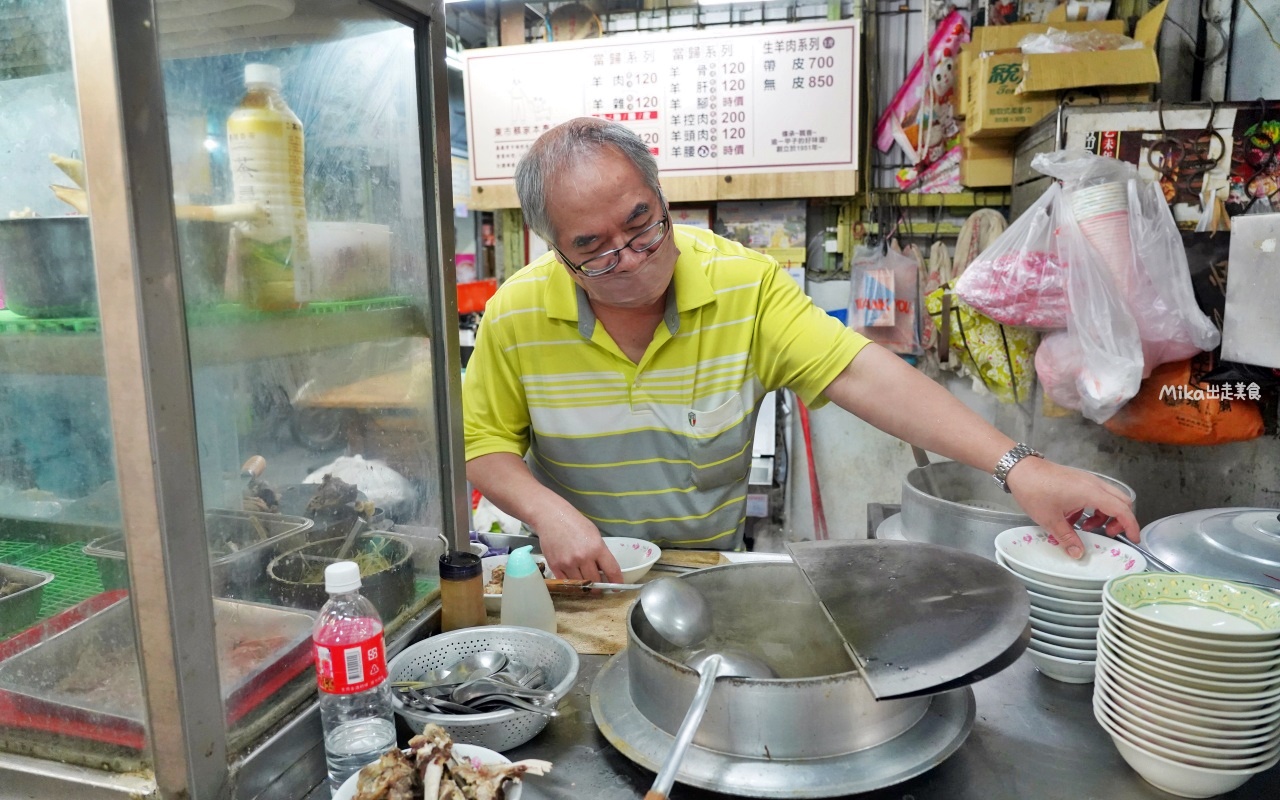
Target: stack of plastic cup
1102 212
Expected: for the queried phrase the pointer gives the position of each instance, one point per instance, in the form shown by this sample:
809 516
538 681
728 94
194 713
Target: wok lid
1234 543
917 618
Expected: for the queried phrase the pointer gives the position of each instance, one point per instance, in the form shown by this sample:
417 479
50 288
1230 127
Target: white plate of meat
422 771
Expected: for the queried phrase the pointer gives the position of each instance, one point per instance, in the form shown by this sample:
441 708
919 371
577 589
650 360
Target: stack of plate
1065 593
1189 680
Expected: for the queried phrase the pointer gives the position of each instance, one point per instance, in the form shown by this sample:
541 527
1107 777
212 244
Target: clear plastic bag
1079 169
884 298
1060 41
1020 279
1171 324
1096 365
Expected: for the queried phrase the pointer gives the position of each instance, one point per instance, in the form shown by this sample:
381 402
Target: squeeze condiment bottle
461 591
525 599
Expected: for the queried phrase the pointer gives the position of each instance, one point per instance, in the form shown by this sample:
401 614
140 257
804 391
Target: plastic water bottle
351 671
265 144
525 599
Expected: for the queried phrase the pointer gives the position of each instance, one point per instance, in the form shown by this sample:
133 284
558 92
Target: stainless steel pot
819 707
955 505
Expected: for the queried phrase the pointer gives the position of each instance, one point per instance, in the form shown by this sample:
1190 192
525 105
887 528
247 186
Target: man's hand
574 548
1055 497
571 543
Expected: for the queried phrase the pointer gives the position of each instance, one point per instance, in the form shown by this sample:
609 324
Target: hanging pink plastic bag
884 299
1129 225
1096 365
1020 279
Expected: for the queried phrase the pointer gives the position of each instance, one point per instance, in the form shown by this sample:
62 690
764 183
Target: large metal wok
819 706
816 731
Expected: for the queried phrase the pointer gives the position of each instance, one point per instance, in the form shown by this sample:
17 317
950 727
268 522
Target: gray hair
566 144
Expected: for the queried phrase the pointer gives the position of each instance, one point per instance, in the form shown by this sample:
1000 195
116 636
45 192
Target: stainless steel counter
1034 739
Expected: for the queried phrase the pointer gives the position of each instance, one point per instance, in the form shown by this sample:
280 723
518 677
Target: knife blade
562 586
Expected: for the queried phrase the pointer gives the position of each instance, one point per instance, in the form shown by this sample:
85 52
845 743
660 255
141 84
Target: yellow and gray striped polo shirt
658 450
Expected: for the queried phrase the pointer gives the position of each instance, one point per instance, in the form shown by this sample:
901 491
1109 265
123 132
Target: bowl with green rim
1198 605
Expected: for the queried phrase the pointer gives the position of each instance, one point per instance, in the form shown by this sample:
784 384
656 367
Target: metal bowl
390 590
819 707
955 505
47 265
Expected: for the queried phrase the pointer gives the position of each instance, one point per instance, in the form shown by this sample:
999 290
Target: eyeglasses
609 260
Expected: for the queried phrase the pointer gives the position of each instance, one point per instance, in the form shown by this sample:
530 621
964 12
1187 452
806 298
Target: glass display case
226 350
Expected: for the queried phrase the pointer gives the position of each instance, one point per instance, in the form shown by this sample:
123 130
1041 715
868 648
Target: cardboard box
996 110
1002 98
985 164
1050 72
1002 38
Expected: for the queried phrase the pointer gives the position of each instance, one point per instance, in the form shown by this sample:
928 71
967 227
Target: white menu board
757 99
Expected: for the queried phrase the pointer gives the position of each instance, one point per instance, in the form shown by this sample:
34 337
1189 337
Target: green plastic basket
14 552
76 578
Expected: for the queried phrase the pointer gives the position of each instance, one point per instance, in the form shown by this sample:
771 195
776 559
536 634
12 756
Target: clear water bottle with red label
351 671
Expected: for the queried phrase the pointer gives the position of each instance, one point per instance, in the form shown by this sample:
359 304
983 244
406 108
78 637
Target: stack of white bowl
1188 680
1065 593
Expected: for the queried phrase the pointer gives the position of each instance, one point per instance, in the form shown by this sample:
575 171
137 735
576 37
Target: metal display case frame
144 334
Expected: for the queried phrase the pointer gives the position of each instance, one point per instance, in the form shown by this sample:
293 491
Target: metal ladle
677 611
710 666
351 538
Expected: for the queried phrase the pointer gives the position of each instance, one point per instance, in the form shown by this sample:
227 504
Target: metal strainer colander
496 730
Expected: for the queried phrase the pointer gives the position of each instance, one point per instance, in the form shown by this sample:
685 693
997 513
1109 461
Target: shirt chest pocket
719 444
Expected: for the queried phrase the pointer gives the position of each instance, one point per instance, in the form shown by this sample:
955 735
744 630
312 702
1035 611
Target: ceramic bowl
1176 731
1209 608
1157 664
635 556
1179 778
1087 632
1063 593
1082 643
1074 619
1076 607
1169 748
1069 653
1091 596
1037 553
1066 670
1203 698
1204 645
1225 665
1151 706
1238 715
471 752
493 601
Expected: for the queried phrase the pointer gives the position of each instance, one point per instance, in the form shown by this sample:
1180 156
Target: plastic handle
684 737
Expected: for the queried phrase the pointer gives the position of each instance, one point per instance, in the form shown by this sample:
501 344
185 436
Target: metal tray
20 609
241 543
89 671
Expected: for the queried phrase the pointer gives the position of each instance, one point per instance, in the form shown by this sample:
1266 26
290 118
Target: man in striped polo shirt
615 381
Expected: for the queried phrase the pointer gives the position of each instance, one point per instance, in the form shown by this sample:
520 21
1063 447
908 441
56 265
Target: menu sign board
759 99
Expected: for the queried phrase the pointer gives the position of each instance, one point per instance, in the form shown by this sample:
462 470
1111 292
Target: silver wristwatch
1020 451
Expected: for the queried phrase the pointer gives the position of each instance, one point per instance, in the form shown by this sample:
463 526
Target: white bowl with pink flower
1038 554
635 556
